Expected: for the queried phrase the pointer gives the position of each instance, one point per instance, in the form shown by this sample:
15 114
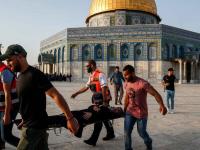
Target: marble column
185 72
180 71
192 73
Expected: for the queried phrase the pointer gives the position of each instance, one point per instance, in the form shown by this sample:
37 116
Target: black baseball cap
14 49
170 69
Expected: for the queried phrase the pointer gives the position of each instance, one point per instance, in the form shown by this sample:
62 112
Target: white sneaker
172 111
168 110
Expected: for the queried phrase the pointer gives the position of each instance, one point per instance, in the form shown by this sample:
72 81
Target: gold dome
100 6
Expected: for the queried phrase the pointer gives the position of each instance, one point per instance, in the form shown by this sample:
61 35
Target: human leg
167 98
2 143
95 135
129 122
33 139
141 127
110 131
116 93
8 136
121 94
172 101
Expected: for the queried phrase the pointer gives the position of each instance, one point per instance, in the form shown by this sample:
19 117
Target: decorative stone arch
63 54
86 52
174 51
152 51
59 54
73 52
98 52
112 52
50 52
55 54
124 51
166 51
181 51
138 51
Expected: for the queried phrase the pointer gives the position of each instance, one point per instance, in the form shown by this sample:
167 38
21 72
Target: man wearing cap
9 105
97 83
168 83
32 85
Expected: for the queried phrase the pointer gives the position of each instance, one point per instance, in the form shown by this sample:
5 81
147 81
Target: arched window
74 53
165 53
98 52
55 56
112 52
138 51
86 52
124 51
59 55
152 51
63 53
174 51
181 52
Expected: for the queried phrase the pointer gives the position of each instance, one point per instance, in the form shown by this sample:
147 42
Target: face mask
89 69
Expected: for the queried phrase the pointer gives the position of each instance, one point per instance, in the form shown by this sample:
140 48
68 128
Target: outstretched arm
158 98
79 92
62 104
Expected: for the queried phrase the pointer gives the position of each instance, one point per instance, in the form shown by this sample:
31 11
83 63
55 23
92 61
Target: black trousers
97 130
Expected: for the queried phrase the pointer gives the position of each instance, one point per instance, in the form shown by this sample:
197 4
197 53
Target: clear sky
27 22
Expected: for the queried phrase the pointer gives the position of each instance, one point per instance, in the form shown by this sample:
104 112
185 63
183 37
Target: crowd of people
32 86
59 77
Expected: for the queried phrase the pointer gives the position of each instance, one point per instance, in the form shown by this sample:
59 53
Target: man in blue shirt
117 78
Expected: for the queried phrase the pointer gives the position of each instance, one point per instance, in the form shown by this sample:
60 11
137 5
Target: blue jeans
170 99
6 130
129 123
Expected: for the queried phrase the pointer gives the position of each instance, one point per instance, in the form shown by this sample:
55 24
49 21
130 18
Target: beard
130 79
16 67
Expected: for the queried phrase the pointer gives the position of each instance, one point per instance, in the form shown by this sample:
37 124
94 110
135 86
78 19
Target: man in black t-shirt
32 87
168 83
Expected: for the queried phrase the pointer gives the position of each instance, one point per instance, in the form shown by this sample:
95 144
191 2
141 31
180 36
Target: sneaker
172 111
149 147
90 142
109 137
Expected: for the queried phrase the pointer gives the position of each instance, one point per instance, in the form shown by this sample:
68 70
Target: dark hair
117 67
129 68
92 62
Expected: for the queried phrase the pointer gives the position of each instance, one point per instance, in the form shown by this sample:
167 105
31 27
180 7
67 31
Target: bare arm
62 104
158 98
8 103
105 102
126 102
84 89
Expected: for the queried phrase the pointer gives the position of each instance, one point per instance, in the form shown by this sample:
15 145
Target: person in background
9 105
117 78
135 107
168 83
32 87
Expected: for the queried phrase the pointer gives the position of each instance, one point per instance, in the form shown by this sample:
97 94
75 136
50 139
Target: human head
170 71
15 56
91 66
129 73
117 68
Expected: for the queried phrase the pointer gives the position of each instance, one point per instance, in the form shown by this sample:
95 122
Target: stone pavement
179 131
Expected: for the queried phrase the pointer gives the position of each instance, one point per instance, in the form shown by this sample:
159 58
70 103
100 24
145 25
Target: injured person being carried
93 114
